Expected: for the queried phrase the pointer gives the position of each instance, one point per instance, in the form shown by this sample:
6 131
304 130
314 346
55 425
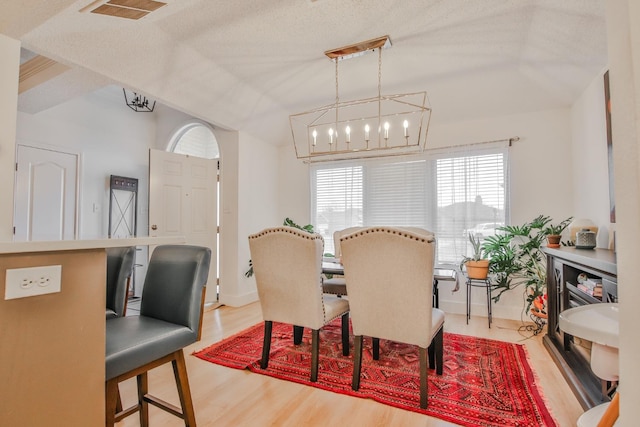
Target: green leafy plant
517 258
288 222
478 252
559 228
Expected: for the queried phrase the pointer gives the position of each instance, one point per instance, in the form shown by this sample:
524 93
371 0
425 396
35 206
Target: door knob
154 227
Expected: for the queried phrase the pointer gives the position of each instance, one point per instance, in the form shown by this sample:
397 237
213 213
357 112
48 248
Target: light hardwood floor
230 397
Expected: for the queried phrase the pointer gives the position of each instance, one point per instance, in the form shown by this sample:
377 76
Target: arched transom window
195 139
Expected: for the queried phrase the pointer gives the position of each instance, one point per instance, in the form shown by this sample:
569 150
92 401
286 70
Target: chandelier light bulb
347 130
315 137
386 130
405 125
366 132
330 135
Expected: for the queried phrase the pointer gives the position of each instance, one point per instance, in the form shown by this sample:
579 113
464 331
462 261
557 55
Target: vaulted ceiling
248 64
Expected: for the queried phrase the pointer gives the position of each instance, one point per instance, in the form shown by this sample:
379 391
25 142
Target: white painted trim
234 300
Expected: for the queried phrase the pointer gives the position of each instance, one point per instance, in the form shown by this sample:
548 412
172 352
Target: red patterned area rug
484 383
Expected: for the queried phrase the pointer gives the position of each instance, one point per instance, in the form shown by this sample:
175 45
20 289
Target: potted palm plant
477 265
517 259
554 232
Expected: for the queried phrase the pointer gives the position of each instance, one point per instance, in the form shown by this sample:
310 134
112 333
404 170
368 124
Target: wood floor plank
230 397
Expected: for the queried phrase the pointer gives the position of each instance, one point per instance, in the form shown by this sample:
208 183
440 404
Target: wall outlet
27 282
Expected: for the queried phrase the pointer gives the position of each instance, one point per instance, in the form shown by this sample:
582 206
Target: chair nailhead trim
389 230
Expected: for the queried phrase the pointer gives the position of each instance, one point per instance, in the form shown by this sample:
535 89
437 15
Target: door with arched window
183 193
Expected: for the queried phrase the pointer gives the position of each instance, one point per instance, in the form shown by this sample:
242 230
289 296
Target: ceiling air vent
130 9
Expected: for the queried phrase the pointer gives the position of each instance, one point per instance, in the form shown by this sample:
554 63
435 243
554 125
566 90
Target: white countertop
74 245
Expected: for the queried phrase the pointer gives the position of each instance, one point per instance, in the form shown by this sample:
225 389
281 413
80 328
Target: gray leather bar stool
169 321
119 270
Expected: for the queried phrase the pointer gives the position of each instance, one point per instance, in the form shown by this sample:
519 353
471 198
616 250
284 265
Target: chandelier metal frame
382 125
138 102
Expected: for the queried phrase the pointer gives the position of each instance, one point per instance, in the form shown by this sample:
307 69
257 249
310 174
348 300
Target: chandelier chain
379 72
380 94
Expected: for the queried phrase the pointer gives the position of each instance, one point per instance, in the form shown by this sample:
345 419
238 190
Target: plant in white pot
476 265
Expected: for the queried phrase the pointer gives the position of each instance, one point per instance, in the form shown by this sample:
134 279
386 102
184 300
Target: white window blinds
451 194
396 193
336 200
471 194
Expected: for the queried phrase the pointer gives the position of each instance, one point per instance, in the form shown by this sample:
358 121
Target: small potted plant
554 232
477 265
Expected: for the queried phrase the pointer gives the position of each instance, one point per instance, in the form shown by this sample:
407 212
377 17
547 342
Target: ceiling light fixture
138 102
372 127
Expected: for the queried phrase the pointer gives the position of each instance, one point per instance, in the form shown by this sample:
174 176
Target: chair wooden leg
431 351
266 344
315 350
423 378
185 412
376 348
438 343
119 403
297 334
357 361
111 398
143 389
345 334
182 382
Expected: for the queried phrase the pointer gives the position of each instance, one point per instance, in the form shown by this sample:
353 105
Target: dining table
332 266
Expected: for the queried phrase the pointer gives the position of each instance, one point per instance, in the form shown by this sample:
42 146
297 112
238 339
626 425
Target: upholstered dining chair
169 320
389 273
337 285
119 270
287 265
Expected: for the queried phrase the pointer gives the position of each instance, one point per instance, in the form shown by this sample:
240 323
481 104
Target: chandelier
372 127
138 102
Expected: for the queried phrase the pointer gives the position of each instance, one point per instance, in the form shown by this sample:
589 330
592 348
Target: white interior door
45 206
183 202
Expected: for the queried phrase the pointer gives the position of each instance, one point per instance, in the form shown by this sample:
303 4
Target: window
197 140
452 194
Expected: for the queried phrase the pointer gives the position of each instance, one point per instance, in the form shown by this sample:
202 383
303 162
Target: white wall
295 187
168 122
589 154
112 140
257 205
623 36
229 259
9 71
540 162
541 181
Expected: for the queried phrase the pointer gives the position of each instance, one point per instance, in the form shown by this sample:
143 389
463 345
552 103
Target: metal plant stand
479 283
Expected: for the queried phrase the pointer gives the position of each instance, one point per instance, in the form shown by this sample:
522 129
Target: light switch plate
30 281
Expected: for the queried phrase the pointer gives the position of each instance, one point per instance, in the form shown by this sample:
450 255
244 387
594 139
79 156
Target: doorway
197 141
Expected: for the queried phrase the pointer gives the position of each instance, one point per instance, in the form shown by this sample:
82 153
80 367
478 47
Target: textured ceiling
248 64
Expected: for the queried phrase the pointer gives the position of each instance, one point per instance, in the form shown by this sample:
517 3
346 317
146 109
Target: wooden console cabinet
563 267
